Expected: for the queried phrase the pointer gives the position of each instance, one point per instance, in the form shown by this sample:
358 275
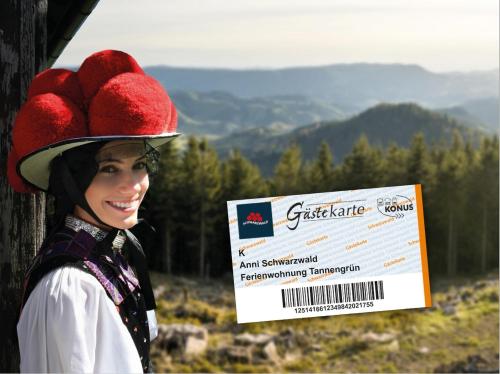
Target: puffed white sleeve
69 324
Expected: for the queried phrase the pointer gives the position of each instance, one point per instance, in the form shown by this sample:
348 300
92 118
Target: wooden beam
23 46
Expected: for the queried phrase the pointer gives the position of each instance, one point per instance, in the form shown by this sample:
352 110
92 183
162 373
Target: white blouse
69 324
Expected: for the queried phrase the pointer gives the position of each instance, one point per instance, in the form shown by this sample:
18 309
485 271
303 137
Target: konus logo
394 206
255 220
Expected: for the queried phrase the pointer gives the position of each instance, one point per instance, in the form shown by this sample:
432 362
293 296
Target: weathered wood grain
23 37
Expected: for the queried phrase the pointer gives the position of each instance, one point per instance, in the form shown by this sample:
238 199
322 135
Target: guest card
331 253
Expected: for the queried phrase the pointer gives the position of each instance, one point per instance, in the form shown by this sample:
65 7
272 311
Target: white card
329 253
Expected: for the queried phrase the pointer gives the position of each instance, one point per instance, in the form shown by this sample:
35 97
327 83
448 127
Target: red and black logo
255 220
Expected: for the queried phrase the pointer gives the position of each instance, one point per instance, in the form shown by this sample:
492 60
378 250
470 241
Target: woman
90 139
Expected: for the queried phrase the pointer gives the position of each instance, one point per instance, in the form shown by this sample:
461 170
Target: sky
439 35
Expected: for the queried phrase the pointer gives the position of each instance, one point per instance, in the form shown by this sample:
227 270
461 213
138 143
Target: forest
187 199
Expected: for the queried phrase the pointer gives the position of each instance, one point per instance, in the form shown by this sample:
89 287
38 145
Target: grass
426 338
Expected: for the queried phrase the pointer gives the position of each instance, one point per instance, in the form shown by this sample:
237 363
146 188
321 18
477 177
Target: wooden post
23 45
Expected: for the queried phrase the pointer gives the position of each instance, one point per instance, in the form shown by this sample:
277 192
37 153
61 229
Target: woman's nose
131 181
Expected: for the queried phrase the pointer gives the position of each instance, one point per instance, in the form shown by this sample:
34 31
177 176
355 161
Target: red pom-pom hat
61 82
123 104
100 67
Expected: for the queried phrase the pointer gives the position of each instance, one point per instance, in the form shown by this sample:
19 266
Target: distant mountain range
218 102
382 124
218 114
349 87
215 114
480 113
262 111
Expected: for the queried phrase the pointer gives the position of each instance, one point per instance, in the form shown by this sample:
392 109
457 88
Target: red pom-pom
100 67
57 81
46 119
14 179
131 104
172 124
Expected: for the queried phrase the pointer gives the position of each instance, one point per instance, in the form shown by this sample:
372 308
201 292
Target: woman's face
119 186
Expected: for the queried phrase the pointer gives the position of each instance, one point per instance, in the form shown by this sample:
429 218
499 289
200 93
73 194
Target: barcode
332 294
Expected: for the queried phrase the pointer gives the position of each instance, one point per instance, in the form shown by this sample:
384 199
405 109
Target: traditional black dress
84 305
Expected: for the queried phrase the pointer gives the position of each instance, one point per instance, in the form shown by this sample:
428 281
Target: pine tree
450 199
164 195
471 224
319 173
241 179
188 207
210 188
471 154
288 178
485 198
363 167
396 159
420 169
200 190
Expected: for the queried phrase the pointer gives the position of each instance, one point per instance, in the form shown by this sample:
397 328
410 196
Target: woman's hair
81 166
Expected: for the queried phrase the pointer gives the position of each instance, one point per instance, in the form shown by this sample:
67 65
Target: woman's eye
108 169
140 165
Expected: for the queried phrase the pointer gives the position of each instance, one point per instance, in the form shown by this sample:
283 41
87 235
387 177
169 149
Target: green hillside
482 114
486 110
382 124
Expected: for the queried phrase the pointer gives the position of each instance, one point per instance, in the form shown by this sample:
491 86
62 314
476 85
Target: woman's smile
124 206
